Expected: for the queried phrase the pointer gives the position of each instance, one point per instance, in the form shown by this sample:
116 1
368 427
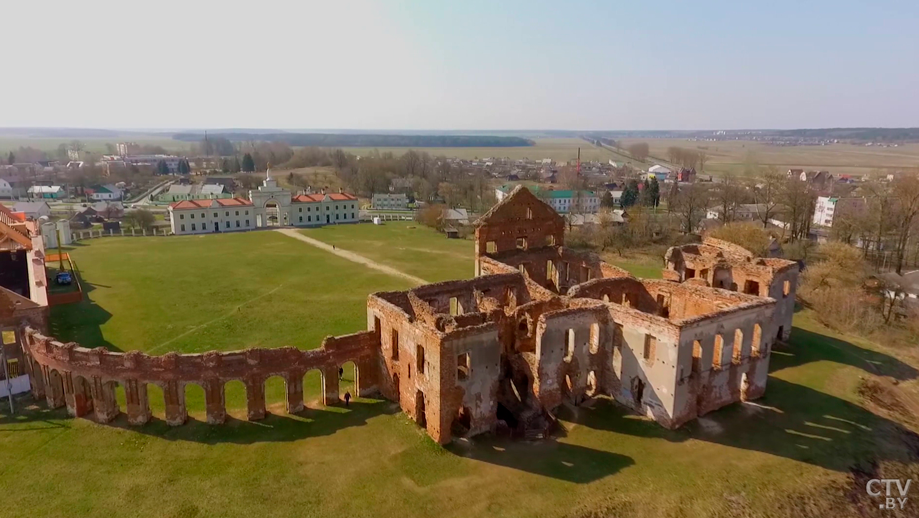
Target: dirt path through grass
351 256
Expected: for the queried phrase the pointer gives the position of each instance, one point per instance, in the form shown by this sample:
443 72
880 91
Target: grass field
555 148
406 246
791 454
92 144
732 156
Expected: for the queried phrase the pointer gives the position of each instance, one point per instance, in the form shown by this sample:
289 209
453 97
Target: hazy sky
460 64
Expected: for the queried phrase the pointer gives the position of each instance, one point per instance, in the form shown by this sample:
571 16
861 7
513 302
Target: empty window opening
780 333
567 268
550 271
394 344
490 247
690 273
594 338
696 356
455 307
463 367
550 240
521 243
462 423
650 348
606 297
719 348
751 287
757 340
523 326
786 288
738 346
420 416
419 357
703 274
663 309
529 213
569 351
591 383
522 269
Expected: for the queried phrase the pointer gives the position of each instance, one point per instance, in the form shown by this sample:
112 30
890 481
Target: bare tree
767 193
412 162
703 158
727 196
905 210
639 151
798 203
690 204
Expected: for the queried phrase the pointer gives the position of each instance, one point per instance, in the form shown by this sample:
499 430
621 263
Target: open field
405 245
793 453
555 148
731 156
92 144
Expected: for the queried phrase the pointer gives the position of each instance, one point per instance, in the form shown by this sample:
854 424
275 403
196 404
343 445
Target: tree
639 151
140 218
703 157
630 194
691 203
747 235
607 200
162 167
224 166
654 192
727 196
766 194
798 204
184 167
248 164
11 159
905 212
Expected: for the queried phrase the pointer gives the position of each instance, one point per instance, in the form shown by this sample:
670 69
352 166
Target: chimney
339 190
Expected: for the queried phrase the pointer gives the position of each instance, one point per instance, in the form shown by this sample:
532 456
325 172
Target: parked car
63 279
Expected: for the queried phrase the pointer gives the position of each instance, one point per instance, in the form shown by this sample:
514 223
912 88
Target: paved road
351 256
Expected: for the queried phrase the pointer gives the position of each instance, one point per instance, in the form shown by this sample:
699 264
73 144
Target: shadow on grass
791 420
807 346
550 458
81 322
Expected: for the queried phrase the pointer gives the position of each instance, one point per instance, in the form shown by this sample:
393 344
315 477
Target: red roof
207 204
342 196
308 198
315 198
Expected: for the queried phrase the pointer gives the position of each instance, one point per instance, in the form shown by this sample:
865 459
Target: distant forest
340 140
866 134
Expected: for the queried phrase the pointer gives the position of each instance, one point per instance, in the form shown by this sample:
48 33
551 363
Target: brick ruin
539 326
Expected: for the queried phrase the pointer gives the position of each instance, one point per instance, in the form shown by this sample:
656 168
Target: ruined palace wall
716 365
470 372
644 364
573 354
61 366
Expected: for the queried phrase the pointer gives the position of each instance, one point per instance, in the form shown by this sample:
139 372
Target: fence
388 217
92 234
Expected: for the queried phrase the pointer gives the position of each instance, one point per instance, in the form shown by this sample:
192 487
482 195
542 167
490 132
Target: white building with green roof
563 201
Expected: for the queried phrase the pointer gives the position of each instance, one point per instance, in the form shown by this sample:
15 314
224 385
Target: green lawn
405 245
789 455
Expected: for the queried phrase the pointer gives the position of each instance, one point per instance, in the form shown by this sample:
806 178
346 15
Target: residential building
686 175
205 216
563 201
741 212
829 209
389 201
6 189
455 217
658 171
268 206
106 192
33 209
47 192
180 192
127 148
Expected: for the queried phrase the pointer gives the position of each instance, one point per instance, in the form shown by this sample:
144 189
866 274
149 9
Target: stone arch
236 396
54 391
349 381
275 391
156 400
82 402
591 384
314 388
195 400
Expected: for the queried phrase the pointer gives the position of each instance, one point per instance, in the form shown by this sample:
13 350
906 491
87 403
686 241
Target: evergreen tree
630 194
224 166
654 192
184 167
607 200
11 159
162 167
235 167
248 164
